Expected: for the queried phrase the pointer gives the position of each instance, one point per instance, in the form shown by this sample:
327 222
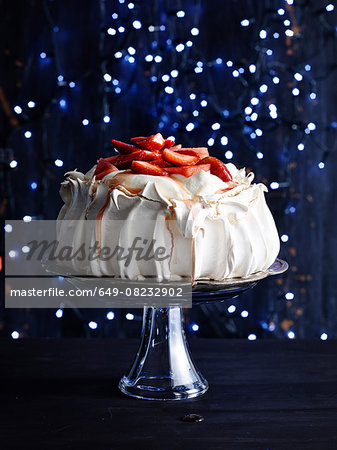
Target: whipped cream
212 229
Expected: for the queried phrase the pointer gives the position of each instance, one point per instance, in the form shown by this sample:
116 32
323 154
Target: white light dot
284 238
110 315
158 59
295 92
129 316
72 84
121 29
289 33
252 135
259 155
25 249
244 313
307 67
131 5
229 63
62 103
298 76
31 104
324 336
248 110
291 335
43 55
85 122
193 96
254 117
195 327
17 109
203 103
258 132
274 185
313 96
169 90
8 228
148 58
12 253
216 126
210 142
111 31
28 134
179 108
290 2
189 44
280 12
286 23
58 162
255 101
13 164
321 165
180 48
218 60
181 13
252 68
131 50
276 35
229 154
190 126
244 23
289 296
263 88
106 119
27 219
252 337
231 308
300 147
118 55
235 73
114 16
93 325
311 126
59 313
263 34
107 77
118 90
269 52
195 113
60 78
174 73
137 24
195 31
224 140
15 334
165 78
330 7
276 80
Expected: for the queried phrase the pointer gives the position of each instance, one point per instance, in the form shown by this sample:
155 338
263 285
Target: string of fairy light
169 62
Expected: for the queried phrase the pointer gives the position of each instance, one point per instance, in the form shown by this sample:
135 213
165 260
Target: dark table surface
62 394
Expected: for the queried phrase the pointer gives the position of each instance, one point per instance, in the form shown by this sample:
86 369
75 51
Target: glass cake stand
163 368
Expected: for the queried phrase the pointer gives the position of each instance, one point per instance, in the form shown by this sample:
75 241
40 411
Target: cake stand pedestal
163 368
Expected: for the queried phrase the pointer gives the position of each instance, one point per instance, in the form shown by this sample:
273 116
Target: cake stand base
163 368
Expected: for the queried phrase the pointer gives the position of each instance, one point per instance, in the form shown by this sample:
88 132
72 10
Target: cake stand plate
163 368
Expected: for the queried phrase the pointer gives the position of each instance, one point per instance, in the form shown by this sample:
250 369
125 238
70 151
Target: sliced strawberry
160 163
169 143
124 161
188 171
135 140
103 168
176 147
202 152
123 148
154 143
147 168
218 168
178 159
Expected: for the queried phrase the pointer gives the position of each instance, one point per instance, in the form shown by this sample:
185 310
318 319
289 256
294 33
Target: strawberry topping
154 143
103 168
188 171
147 168
218 168
123 148
179 159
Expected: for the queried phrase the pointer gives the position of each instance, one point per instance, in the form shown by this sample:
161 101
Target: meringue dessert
210 217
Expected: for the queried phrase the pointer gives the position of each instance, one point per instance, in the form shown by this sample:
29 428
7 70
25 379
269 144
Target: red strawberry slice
169 143
178 159
123 148
218 168
160 163
202 152
135 140
176 147
188 171
154 143
124 161
147 168
103 168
